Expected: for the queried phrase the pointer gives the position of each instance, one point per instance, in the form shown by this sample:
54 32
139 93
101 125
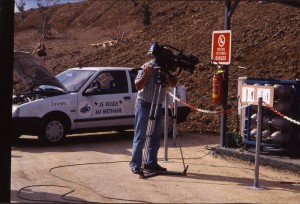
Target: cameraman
145 83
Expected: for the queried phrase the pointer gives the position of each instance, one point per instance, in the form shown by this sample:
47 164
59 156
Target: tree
20 5
44 7
146 12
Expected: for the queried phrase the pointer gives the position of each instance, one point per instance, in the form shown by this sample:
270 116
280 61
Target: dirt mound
265 43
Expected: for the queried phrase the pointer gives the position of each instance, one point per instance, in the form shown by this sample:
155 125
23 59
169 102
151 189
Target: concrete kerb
277 163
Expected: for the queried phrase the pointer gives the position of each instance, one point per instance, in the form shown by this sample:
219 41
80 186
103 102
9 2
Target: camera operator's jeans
142 111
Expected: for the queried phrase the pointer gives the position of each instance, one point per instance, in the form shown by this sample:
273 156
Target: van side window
112 82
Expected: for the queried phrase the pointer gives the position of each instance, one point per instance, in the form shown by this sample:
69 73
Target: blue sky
32 3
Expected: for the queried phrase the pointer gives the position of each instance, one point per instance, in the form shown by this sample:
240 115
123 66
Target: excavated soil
265 42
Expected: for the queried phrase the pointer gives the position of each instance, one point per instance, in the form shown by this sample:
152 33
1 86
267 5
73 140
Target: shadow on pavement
40 193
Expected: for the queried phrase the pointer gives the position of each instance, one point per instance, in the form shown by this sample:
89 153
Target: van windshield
73 80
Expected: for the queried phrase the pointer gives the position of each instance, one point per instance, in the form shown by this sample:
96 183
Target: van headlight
15 112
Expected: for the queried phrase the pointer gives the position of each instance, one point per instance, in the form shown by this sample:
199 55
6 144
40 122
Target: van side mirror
91 91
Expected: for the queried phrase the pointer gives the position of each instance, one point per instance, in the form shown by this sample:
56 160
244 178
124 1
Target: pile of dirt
265 42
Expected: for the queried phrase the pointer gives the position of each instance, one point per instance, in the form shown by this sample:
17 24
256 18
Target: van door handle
127 97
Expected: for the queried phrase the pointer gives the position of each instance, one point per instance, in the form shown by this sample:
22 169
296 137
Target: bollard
258 139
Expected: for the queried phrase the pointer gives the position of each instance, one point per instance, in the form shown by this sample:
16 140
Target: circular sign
221 40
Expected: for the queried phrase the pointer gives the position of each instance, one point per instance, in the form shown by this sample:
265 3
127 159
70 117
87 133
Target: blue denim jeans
142 111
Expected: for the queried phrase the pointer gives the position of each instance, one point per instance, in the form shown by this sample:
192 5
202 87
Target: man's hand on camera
148 68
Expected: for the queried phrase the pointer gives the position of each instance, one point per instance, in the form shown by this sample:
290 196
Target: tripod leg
151 123
174 115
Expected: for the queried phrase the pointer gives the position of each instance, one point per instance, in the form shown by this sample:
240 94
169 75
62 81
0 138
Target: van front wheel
53 131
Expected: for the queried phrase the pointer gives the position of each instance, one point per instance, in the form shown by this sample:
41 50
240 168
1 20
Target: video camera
170 58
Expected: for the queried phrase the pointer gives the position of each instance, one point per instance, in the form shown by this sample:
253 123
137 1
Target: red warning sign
221 47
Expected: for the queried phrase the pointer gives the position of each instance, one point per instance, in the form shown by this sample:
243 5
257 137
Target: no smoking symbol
221 40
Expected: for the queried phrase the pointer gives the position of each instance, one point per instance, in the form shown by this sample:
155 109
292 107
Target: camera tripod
156 100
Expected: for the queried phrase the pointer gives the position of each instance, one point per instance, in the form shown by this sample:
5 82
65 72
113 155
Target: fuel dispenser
281 111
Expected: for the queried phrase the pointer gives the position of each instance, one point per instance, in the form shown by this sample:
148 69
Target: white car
76 100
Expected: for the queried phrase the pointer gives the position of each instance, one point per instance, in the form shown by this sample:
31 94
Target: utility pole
6 79
229 9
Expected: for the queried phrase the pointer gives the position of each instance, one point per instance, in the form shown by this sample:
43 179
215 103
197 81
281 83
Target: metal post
175 116
166 124
225 83
248 122
228 14
6 64
258 139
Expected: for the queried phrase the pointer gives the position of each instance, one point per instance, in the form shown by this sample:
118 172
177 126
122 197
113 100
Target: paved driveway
94 168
